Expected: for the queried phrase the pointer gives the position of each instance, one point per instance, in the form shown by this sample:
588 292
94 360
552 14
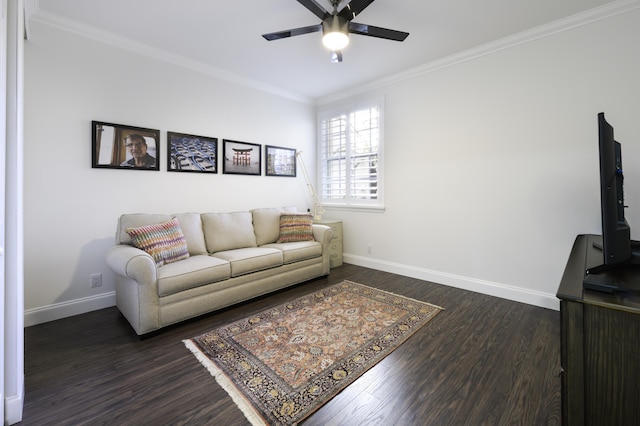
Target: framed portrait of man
117 146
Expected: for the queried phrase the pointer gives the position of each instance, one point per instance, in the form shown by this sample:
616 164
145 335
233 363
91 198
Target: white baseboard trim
13 407
517 294
68 308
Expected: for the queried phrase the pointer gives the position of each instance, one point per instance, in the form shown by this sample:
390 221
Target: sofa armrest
131 262
322 234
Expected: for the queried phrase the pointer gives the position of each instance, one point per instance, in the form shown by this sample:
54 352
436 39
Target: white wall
491 164
72 209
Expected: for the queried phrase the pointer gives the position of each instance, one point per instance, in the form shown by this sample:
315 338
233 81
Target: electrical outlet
96 280
370 248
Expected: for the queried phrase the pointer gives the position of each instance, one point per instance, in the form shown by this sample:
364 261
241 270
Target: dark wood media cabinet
600 344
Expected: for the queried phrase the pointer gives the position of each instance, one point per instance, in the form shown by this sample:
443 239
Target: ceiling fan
337 25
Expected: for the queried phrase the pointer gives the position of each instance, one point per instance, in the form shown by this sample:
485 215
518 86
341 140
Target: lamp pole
317 207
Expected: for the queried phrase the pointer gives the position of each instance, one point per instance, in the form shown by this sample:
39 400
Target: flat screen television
617 247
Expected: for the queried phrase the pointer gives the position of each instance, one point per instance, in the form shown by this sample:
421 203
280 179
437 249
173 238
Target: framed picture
280 161
117 146
191 153
241 158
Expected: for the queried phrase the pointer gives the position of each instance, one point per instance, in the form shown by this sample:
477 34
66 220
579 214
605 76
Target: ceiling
225 36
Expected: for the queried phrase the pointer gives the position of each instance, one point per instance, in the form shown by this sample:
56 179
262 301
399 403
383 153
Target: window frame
347 108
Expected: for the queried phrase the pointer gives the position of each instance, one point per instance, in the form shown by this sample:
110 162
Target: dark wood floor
482 361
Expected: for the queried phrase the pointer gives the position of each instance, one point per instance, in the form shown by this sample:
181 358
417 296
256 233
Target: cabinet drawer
335 253
336 228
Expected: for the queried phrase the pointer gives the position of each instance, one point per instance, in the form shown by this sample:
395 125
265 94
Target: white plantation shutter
351 155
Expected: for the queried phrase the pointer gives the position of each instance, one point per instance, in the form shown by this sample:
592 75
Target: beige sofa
232 257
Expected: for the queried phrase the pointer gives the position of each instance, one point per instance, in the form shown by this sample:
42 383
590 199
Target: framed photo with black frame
241 158
279 161
118 146
191 153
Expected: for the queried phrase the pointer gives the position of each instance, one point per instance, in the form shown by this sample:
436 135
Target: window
350 143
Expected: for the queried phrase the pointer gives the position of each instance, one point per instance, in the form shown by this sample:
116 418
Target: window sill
354 207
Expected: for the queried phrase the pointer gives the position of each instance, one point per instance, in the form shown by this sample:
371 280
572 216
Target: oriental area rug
282 364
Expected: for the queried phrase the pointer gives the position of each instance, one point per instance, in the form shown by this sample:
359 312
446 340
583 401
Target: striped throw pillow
295 227
165 241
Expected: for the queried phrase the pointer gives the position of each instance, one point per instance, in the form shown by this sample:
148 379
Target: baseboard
68 308
13 407
517 294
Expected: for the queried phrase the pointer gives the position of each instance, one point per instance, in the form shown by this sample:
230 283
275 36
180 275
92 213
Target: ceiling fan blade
315 8
353 8
336 56
372 31
293 32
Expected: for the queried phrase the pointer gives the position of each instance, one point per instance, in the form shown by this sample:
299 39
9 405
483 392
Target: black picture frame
113 147
279 161
191 153
241 158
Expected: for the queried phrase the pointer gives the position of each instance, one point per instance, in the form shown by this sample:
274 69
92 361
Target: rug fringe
252 415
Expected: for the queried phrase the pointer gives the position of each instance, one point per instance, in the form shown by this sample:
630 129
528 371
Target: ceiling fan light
335 40
335 30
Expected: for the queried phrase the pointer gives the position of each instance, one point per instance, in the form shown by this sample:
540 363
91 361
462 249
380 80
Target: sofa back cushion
136 220
228 231
266 223
191 225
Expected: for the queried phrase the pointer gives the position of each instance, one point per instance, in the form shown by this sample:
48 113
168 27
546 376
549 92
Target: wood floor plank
482 360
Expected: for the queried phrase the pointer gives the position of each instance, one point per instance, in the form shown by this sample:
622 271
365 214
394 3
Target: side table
335 247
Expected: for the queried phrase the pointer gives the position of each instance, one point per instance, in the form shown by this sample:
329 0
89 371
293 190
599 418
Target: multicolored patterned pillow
295 227
165 241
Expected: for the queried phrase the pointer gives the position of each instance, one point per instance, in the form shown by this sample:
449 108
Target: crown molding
584 18
30 8
111 39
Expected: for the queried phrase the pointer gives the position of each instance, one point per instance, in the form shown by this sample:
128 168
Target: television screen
616 235
617 247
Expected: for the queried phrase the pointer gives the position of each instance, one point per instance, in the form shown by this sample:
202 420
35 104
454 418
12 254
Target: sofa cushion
192 272
191 225
135 220
228 231
252 259
165 241
295 227
295 252
266 223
